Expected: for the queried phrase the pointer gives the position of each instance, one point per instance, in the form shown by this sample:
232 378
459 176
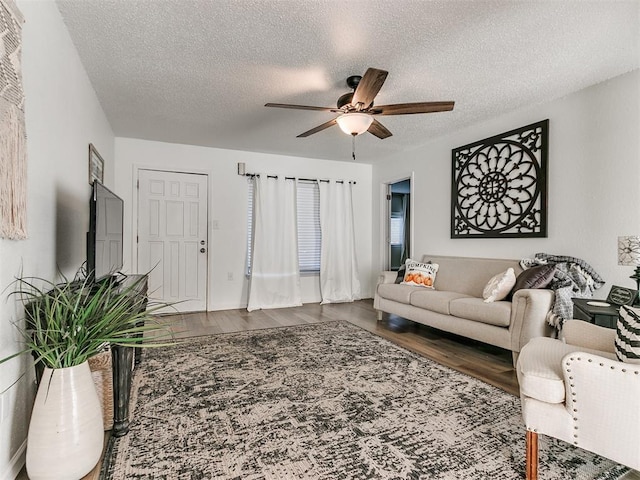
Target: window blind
397 230
309 237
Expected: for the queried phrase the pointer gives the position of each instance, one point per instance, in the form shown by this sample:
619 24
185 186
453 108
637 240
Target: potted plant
65 324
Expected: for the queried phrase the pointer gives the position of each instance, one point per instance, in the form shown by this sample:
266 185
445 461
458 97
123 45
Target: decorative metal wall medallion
499 185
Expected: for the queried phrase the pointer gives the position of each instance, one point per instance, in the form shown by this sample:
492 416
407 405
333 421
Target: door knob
202 250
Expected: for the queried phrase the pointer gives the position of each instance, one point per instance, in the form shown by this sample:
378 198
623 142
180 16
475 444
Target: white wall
228 207
594 181
62 117
593 195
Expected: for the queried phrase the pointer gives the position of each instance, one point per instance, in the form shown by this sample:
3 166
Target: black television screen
104 240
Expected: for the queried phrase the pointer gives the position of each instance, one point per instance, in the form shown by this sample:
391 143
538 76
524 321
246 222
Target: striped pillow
628 335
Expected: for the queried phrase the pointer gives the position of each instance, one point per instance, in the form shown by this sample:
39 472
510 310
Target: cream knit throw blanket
13 152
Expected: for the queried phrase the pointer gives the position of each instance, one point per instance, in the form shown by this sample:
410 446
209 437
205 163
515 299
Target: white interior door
172 237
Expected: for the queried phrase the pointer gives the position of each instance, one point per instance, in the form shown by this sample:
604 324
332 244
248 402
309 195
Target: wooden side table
588 310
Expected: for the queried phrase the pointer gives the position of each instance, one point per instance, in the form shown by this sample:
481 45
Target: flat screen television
104 239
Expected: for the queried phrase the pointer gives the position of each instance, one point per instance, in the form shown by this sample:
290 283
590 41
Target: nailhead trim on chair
573 394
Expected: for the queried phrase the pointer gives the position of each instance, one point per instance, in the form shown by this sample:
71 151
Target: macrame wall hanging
13 139
499 185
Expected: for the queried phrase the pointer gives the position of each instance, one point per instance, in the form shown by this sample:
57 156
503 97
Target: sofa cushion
494 313
397 292
468 275
499 286
535 277
435 300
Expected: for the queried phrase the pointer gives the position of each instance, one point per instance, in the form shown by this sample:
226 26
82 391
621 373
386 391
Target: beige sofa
456 305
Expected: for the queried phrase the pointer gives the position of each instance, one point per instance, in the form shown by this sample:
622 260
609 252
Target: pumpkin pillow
420 274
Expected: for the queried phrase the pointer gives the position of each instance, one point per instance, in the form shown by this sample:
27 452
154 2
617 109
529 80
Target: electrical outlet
230 276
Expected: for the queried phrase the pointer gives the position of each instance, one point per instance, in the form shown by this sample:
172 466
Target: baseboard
16 463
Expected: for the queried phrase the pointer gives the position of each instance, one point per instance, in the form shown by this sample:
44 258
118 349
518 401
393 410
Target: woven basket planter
102 373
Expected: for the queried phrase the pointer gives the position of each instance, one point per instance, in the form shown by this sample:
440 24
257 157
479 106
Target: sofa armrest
588 335
529 310
384 277
387 277
602 396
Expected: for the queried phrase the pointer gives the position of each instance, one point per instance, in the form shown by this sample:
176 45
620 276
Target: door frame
135 211
385 214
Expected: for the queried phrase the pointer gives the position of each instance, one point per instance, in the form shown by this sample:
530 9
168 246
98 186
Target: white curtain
275 276
339 280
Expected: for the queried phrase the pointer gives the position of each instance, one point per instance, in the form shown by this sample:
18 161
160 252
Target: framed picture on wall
499 185
96 165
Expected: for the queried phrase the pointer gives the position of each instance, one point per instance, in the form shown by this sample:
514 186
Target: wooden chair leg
532 455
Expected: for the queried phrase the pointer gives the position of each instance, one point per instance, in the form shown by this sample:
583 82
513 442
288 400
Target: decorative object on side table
66 324
622 296
96 165
629 255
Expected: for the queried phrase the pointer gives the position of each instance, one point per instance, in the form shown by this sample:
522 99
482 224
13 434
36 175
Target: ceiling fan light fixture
354 123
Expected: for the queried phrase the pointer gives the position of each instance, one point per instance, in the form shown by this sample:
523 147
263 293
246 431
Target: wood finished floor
490 364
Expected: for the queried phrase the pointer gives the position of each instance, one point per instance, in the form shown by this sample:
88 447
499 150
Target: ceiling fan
356 108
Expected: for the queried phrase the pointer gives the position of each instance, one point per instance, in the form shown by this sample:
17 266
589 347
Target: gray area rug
325 401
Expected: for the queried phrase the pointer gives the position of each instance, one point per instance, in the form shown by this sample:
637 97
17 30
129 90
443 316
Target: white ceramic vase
66 433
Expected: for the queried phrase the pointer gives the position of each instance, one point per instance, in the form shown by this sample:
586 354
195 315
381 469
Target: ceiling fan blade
317 129
302 107
369 86
409 108
379 130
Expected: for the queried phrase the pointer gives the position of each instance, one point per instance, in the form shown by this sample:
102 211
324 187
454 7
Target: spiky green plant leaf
67 323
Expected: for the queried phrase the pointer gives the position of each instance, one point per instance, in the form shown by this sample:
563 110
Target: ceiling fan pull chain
353 146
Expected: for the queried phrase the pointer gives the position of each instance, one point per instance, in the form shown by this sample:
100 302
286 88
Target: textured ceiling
199 71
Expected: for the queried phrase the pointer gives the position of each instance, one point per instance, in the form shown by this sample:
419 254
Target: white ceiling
199 71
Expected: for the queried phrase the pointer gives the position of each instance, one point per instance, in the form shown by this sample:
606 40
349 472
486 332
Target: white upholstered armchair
580 393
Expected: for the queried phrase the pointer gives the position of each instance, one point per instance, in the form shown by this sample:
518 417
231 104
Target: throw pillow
499 286
401 271
535 277
420 274
628 335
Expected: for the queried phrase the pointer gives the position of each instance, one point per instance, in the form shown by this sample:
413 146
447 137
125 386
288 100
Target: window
397 230
309 237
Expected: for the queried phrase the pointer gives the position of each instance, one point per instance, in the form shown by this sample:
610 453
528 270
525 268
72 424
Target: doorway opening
399 223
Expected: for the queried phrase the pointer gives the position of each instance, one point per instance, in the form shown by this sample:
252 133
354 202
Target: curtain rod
294 178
